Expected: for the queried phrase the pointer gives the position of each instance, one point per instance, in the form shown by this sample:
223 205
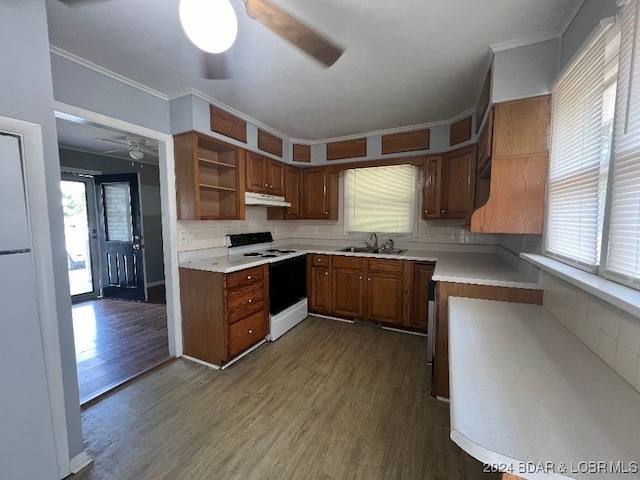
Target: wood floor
328 400
115 341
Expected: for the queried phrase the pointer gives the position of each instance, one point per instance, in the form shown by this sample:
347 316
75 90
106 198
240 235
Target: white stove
287 278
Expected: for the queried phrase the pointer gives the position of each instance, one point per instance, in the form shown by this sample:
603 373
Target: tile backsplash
199 235
612 334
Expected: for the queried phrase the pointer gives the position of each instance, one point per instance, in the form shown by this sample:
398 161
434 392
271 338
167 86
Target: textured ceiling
406 62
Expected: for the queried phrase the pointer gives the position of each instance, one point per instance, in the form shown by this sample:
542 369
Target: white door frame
168 208
36 198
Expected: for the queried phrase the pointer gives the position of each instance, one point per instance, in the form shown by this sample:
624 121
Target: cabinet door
432 188
257 173
458 183
319 291
420 313
292 191
384 297
316 184
347 292
276 178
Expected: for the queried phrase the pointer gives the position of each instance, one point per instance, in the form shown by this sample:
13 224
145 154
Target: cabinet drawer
384 265
242 302
319 259
242 277
340 261
247 332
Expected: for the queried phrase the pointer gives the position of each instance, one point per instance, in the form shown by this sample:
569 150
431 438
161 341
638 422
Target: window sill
623 297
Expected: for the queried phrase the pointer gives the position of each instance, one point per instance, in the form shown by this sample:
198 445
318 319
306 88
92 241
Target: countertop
451 266
527 394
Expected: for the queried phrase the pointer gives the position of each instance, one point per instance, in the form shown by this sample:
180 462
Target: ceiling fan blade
115 150
79 3
113 141
215 66
294 31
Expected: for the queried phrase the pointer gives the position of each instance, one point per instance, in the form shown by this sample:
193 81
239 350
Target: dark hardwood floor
117 340
328 400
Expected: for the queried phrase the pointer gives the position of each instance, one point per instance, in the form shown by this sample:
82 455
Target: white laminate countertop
451 266
526 393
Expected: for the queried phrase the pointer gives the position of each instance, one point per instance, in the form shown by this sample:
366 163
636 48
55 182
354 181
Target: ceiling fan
200 18
136 147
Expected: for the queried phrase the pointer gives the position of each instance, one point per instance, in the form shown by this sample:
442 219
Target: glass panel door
77 232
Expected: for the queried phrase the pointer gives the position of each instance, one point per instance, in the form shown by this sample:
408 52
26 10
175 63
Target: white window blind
623 251
578 154
380 199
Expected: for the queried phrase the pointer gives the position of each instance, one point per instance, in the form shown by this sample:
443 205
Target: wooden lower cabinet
223 314
360 288
319 283
422 273
487 292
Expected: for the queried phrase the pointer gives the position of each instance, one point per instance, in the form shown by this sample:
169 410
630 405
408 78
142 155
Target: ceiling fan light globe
211 25
136 154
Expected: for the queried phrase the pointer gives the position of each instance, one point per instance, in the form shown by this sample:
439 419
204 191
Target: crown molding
103 71
558 33
389 131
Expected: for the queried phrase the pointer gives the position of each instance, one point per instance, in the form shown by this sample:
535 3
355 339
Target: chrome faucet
373 237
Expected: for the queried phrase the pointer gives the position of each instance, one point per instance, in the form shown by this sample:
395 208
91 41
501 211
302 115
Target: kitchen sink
385 251
390 251
359 249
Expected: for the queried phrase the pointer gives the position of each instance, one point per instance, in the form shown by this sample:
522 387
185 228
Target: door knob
136 246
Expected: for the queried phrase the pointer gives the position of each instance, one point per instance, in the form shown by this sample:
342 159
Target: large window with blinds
380 199
583 100
593 203
622 246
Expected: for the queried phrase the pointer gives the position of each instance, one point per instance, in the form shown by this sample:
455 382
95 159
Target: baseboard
155 284
80 462
201 362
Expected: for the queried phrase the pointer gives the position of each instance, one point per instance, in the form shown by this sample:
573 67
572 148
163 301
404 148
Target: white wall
26 82
525 71
77 85
585 21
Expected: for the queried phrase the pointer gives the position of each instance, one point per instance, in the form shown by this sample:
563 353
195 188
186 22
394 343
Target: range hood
263 199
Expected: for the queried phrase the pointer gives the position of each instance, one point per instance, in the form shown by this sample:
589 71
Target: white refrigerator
27 448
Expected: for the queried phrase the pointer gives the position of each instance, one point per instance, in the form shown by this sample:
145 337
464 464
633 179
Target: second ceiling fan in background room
212 26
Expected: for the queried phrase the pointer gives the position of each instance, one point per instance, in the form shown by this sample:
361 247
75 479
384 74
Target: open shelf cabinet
209 178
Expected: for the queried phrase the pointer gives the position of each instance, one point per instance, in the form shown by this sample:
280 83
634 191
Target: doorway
114 237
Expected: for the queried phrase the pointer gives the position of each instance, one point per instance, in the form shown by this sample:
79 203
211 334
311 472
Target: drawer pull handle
250 331
326 273
250 300
248 277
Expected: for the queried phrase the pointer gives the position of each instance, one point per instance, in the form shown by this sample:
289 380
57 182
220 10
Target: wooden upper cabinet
347 149
521 127
276 178
227 124
269 143
209 177
301 153
264 175
432 188
319 194
257 173
518 169
460 131
292 191
458 183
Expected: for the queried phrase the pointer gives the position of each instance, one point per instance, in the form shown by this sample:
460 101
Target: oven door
287 283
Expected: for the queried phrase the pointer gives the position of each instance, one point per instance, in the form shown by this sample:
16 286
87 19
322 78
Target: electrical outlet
185 238
430 233
315 230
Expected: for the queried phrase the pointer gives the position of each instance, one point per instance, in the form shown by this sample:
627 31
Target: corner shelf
208 178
